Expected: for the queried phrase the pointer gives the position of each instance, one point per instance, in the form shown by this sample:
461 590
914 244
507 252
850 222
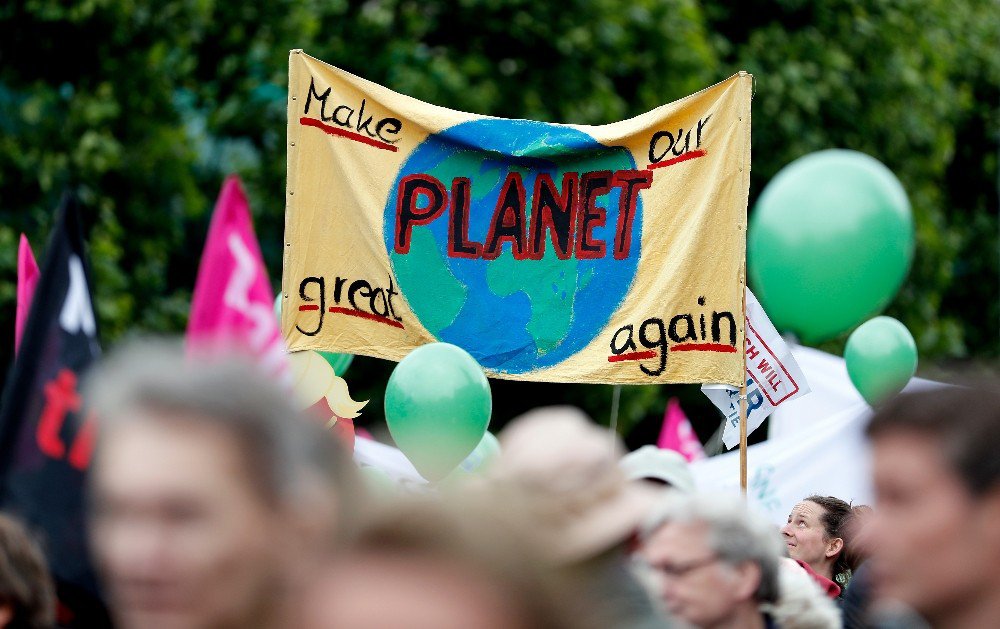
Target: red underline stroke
308 307
631 356
704 347
366 315
682 158
350 135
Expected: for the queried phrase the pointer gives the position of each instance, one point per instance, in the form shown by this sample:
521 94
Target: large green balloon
881 358
830 243
437 406
339 362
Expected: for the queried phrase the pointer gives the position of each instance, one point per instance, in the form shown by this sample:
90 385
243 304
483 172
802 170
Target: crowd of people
215 503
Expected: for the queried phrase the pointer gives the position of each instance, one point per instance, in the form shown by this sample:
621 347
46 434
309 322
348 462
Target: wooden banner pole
743 395
743 438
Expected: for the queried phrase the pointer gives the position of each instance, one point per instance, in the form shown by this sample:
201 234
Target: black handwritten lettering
617 348
660 343
508 220
394 126
689 334
553 211
630 181
717 318
407 212
590 215
459 245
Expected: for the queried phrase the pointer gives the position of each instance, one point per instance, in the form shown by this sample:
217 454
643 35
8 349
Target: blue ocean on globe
513 316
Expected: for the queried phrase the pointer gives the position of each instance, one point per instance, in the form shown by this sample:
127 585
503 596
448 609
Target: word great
568 215
358 297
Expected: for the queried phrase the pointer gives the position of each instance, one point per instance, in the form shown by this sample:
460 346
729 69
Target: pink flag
27 279
677 433
232 306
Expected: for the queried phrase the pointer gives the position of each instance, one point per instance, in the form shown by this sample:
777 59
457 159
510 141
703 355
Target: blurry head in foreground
656 465
937 484
856 532
207 488
422 565
565 469
814 535
27 594
715 561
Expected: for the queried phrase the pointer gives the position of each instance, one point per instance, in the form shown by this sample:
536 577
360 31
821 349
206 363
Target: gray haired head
286 456
735 534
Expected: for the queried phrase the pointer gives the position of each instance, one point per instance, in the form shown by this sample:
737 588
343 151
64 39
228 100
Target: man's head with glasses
714 561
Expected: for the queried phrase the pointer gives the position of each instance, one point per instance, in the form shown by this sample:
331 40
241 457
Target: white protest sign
832 459
390 460
773 376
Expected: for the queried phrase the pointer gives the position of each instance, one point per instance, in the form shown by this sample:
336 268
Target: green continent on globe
512 315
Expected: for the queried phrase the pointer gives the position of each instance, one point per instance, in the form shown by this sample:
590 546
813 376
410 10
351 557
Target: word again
569 215
681 334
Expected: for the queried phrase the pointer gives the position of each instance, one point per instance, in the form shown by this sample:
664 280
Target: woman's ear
834 546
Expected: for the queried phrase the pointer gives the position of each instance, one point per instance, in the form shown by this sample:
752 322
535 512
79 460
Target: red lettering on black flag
45 436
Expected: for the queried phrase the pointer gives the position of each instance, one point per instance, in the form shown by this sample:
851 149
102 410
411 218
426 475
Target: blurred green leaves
146 106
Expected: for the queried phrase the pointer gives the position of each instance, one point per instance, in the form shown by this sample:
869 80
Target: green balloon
484 454
881 358
830 243
339 362
437 406
377 482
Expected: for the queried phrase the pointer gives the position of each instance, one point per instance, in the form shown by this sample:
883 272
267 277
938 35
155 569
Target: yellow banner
550 252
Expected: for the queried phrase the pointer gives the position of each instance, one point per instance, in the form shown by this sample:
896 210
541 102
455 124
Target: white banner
832 391
390 460
832 459
773 376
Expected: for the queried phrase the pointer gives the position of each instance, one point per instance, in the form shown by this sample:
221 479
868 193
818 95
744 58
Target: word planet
546 264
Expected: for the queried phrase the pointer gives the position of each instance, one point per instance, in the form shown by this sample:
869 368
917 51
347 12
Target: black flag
46 437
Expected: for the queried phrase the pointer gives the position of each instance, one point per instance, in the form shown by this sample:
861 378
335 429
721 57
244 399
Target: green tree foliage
917 85
146 106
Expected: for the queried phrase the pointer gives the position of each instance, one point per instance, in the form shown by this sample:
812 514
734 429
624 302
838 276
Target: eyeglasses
681 569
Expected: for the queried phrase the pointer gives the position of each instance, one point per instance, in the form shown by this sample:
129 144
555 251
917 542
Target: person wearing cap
659 466
562 469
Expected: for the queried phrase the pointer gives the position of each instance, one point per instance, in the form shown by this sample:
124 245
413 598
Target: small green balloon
437 406
881 358
830 243
376 481
339 362
484 454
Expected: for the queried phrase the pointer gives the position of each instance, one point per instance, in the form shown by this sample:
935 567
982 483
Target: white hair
735 534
